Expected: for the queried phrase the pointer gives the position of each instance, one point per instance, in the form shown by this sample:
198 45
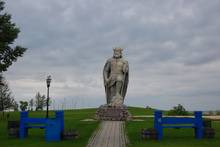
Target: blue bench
161 122
53 126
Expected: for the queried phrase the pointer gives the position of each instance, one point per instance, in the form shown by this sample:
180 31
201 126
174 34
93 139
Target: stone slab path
109 134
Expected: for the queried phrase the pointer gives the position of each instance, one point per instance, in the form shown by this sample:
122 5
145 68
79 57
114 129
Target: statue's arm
126 67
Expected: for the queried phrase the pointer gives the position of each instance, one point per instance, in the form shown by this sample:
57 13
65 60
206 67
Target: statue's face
117 54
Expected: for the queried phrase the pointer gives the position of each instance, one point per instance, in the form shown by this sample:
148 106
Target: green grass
171 138
140 111
36 136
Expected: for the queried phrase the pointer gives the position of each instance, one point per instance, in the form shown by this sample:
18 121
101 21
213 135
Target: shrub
178 110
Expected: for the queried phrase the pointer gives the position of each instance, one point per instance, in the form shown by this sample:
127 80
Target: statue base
113 113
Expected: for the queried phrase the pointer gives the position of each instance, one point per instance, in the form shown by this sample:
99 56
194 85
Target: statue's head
117 52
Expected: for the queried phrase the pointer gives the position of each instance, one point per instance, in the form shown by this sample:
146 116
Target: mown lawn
36 136
172 137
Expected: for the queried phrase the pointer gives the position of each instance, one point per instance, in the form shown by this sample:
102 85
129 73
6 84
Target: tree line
7 102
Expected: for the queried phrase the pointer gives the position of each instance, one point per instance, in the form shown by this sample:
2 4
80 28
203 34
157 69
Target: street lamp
48 81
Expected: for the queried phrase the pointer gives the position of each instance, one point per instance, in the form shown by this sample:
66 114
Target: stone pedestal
114 113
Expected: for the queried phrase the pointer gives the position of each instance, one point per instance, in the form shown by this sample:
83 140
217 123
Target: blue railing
53 126
161 122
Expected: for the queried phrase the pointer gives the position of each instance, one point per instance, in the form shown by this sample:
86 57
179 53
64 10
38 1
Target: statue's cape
125 85
107 89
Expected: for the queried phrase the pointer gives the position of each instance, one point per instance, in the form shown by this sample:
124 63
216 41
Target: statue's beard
117 56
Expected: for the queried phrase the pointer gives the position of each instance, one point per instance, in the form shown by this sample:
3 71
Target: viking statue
116 73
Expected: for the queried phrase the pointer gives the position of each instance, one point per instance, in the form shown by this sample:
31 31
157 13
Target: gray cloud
172 47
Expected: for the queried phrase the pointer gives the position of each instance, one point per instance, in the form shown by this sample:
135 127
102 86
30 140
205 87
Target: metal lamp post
48 80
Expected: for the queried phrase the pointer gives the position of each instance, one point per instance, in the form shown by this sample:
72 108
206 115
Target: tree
15 106
40 101
178 110
23 105
8 33
31 104
6 98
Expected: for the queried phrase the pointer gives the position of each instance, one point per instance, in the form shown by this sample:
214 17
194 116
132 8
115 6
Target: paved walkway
212 117
109 134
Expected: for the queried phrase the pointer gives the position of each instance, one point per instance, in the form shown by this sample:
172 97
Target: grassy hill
140 111
72 120
172 137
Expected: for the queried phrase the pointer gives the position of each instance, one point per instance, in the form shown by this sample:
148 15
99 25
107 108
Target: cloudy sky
172 46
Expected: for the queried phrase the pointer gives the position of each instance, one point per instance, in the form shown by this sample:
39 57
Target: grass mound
35 138
72 118
171 138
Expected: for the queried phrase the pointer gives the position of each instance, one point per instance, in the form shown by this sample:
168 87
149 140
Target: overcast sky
172 46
